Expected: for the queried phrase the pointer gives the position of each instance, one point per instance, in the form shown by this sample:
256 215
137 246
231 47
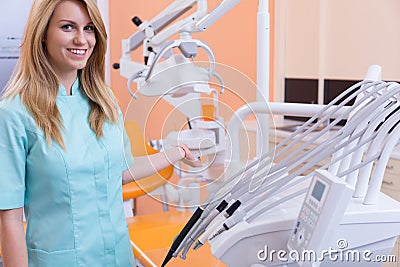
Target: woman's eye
67 27
89 28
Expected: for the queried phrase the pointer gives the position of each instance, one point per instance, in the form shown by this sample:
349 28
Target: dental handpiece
228 224
198 228
216 223
177 241
207 209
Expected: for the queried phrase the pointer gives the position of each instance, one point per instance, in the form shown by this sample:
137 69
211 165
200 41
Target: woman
64 153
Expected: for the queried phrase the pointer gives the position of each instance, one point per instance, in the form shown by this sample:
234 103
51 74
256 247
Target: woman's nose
80 37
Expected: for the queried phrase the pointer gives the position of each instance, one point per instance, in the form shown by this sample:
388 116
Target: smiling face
70 38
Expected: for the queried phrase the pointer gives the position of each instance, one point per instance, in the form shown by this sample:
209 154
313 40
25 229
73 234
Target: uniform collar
74 90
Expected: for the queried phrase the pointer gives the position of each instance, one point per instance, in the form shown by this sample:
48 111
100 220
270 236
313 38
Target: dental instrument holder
320 215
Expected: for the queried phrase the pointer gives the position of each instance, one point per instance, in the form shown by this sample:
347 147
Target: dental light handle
323 208
178 43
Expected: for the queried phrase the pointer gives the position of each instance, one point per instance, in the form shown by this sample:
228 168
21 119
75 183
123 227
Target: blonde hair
37 84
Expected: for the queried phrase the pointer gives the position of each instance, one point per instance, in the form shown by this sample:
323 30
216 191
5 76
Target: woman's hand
147 165
188 157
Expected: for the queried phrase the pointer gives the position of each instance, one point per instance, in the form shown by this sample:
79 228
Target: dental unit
262 203
369 126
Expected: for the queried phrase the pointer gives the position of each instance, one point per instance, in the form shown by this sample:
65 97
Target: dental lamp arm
198 21
215 14
163 19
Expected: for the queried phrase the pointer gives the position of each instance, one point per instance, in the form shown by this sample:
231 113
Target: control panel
323 208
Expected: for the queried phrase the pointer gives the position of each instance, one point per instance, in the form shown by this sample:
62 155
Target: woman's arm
148 165
12 238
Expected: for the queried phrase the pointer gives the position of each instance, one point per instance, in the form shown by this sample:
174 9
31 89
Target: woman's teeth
77 51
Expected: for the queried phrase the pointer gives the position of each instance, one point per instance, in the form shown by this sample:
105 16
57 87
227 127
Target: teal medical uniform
73 197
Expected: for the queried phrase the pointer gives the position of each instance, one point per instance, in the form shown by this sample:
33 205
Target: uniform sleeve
13 143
